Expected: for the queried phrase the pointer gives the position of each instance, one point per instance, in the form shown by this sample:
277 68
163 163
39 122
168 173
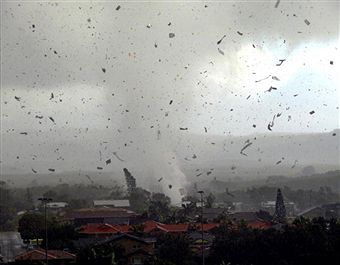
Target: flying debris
331 62
295 162
183 129
104 70
277 3
220 51
170 102
149 26
205 129
39 117
170 186
219 42
99 168
51 169
198 174
23 133
275 78
307 22
312 112
34 171
245 147
194 156
171 35
279 162
116 155
270 89
118 7
239 33
17 98
51 119
256 81
108 161
208 173
271 124
159 180
280 62
52 96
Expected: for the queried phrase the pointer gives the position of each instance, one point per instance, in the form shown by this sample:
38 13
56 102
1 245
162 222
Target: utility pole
202 231
45 201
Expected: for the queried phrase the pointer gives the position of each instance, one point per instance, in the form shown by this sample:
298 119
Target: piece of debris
307 22
270 89
275 78
108 161
205 129
271 124
194 156
183 129
245 147
277 3
220 51
219 42
239 33
34 171
170 102
39 117
51 169
17 98
149 26
116 155
159 180
208 173
170 186
171 35
256 81
104 70
24 133
280 62
331 62
52 96
118 7
312 112
278 162
99 168
51 119
198 174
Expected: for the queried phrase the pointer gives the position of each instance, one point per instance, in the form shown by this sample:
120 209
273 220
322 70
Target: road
10 245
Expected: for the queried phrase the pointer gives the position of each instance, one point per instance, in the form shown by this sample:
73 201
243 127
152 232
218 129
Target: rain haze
176 92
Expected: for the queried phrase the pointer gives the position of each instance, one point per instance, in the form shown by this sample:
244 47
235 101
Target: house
56 205
270 206
135 250
38 256
148 227
330 210
101 215
112 203
210 214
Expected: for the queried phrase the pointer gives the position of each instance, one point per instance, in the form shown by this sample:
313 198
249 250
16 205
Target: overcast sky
133 74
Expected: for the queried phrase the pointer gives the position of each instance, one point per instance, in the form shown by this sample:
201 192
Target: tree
280 209
174 249
31 226
210 200
159 207
130 181
139 200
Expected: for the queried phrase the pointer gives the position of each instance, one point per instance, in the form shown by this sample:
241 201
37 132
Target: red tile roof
39 254
259 224
149 226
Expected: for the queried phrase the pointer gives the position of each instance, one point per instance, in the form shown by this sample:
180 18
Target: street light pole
45 201
202 231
